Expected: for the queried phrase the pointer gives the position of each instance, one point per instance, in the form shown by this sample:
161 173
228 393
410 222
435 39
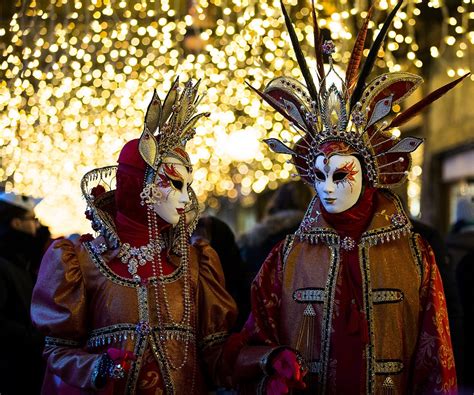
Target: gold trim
128 282
367 298
388 367
415 250
328 306
381 296
213 339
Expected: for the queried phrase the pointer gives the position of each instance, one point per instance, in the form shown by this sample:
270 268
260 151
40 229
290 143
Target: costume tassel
388 386
305 342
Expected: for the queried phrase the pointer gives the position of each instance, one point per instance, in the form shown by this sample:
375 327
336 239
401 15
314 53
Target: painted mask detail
338 181
172 180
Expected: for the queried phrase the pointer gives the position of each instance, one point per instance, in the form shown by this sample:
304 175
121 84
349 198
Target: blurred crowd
23 241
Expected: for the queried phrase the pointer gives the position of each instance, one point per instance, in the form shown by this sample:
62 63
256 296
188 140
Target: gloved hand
121 360
112 365
288 373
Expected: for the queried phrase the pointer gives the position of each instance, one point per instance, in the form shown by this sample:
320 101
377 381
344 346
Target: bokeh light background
78 75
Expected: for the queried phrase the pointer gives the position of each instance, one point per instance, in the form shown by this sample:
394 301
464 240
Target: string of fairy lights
77 77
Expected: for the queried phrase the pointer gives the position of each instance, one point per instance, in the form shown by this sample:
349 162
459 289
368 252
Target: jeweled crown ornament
357 115
171 124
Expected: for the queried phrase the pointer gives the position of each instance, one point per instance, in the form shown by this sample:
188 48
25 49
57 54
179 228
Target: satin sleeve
217 312
434 361
58 310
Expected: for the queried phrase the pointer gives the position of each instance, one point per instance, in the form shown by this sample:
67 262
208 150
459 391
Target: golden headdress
171 124
356 115
167 129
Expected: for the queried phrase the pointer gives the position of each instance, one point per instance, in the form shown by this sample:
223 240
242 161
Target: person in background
460 247
21 365
42 242
221 238
284 213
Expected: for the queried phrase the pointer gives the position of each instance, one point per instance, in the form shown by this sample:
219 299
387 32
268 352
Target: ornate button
348 243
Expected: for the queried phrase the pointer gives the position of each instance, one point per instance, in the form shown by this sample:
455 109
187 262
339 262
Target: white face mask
172 181
338 182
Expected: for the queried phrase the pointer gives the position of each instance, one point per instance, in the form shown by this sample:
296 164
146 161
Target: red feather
372 55
356 55
409 113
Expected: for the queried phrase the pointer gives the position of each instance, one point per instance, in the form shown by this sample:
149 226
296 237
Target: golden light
77 78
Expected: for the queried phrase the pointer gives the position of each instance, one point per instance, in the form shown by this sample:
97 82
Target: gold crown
169 125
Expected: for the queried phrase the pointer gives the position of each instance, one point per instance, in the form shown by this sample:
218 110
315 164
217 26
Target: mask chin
167 216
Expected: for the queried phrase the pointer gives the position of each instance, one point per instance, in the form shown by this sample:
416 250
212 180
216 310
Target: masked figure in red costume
137 310
352 303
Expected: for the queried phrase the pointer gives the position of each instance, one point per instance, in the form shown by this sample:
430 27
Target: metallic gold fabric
78 299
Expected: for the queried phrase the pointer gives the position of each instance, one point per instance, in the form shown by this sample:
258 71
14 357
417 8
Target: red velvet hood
130 178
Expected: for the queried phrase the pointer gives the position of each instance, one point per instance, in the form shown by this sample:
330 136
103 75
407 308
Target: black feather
299 55
369 62
317 49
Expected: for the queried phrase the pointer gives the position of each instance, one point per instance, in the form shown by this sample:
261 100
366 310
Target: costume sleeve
434 362
217 312
59 311
259 337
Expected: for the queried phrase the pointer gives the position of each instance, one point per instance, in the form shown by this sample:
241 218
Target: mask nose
329 186
184 198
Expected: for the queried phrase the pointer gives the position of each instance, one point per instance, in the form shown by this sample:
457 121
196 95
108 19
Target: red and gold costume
161 307
354 293
84 307
368 320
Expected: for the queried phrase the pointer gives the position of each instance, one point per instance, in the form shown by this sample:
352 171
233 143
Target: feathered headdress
356 114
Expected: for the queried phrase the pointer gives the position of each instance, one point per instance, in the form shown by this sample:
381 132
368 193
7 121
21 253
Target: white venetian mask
172 181
338 181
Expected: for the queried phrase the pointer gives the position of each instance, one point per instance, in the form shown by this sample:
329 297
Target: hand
121 362
288 373
112 365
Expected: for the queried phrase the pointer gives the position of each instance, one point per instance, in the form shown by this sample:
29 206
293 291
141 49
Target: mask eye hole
319 175
339 175
177 184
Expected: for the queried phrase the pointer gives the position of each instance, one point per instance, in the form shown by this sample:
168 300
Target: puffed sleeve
217 311
59 311
435 371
